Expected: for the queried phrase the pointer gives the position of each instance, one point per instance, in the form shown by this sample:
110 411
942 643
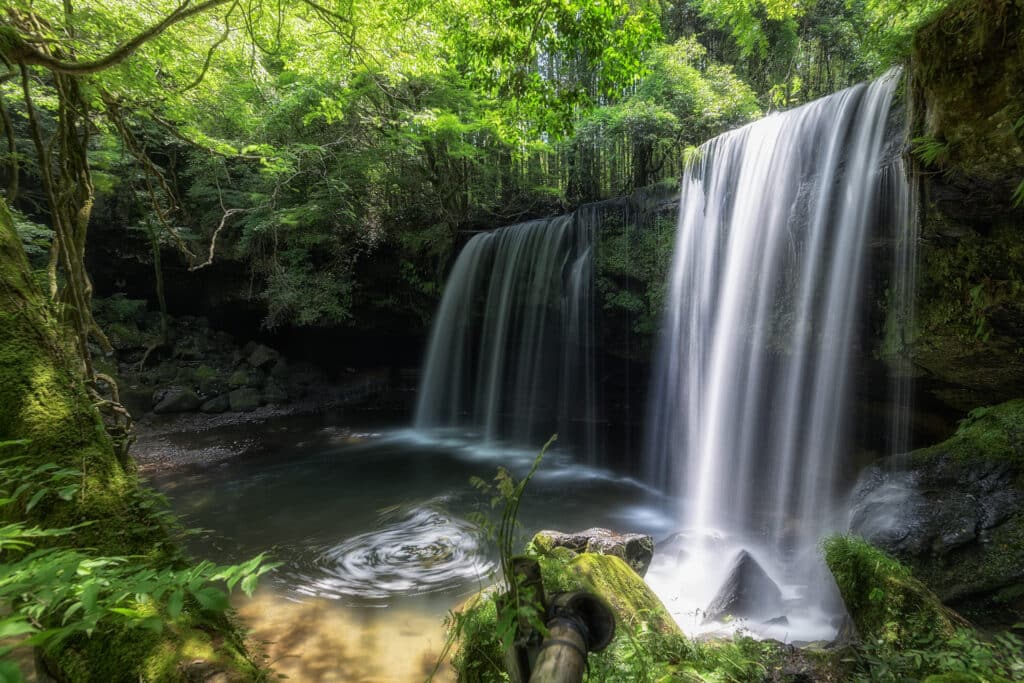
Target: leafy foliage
53 593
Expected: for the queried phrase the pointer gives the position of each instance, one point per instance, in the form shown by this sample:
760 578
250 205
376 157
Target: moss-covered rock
648 645
614 581
887 604
906 633
987 435
968 63
954 512
636 549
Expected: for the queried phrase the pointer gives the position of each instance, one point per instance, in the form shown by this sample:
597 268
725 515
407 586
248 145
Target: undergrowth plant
979 661
50 593
489 624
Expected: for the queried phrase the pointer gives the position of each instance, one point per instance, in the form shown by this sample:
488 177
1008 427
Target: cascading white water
899 325
750 389
511 352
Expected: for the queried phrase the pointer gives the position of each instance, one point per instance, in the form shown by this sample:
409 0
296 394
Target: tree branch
15 48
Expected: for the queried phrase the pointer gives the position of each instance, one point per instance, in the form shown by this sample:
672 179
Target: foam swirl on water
417 550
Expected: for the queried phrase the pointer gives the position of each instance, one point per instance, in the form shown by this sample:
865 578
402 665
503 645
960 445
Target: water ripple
417 550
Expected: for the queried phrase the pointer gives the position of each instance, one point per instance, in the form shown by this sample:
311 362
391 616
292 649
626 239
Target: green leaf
35 499
90 593
211 599
15 626
10 673
249 584
175 603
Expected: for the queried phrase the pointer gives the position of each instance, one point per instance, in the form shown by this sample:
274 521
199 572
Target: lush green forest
300 138
316 166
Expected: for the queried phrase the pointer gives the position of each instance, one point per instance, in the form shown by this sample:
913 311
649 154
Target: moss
632 600
887 604
968 64
122 654
479 657
43 399
648 646
204 372
990 434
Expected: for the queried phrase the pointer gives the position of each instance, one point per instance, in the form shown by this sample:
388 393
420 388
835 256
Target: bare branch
228 213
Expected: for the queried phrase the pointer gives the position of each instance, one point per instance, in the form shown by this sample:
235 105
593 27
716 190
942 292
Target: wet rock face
936 509
636 549
966 95
748 591
958 525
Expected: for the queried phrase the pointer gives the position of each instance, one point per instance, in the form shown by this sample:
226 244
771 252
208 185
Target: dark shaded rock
955 513
245 400
967 95
213 386
166 371
778 621
263 357
217 404
280 371
189 353
238 379
747 592
175 400
275 393
636 549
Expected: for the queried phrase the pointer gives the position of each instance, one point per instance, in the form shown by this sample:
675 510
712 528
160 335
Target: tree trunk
43 398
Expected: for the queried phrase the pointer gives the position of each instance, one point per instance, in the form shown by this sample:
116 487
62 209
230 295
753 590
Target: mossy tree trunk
43 398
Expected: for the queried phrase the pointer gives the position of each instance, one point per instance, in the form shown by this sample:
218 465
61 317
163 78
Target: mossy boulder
955 513
245 400
175 400
611 579
887 604
648 645
636 549
987 435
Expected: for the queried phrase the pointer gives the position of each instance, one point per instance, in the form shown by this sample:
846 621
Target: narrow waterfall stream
751 387
511 353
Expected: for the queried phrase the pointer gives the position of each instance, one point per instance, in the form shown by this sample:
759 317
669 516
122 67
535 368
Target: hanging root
116 419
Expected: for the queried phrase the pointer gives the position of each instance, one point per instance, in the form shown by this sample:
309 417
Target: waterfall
511 352
899 324
751 385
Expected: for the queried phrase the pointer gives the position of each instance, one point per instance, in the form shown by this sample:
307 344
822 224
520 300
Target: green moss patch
994 433
887 604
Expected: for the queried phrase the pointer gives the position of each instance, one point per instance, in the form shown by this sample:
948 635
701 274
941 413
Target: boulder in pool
175 400
748 592
636 550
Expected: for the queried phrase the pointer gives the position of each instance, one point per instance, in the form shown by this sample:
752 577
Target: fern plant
930 150
50 593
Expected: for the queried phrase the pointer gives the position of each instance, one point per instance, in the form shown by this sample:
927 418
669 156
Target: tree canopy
303 137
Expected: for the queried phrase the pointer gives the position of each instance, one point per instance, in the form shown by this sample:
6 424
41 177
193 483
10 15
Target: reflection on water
317 641
373 537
